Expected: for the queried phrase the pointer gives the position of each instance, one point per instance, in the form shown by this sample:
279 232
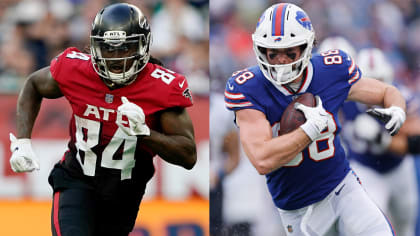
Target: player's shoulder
72 53
336 64
245 80
163 76
70 57
165 80
70 61
243 87
332 59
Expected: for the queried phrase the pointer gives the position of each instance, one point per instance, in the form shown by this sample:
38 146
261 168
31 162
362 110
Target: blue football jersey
321 166
383 162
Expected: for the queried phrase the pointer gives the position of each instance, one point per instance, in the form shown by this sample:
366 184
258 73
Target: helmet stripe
278 19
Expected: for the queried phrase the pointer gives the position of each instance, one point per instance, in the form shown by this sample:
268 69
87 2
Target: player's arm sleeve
57 63
346 73
180 93
354 73
237 99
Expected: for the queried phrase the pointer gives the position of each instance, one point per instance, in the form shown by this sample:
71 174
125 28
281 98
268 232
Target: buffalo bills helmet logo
261 19
304 20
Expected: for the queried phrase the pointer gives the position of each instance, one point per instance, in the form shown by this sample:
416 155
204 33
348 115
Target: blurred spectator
175 23
32 26
180 35
15 65
194 62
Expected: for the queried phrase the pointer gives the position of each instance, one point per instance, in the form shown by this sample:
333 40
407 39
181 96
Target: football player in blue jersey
387 172
307 173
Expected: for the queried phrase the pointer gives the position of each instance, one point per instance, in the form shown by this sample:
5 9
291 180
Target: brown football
292 118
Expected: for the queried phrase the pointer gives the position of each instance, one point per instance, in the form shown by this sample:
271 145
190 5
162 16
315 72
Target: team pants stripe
56 205
389 223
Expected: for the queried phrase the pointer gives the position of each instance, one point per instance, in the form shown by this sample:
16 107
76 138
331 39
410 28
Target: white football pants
394 192
346 211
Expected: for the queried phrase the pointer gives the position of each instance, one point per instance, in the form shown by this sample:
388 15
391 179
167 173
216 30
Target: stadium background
391 25
32 33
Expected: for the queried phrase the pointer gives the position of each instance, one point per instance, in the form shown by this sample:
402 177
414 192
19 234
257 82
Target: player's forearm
398 145
393 97
275 153
175 149
28 105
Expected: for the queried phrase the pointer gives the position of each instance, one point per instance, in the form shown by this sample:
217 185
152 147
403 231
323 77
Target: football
292 118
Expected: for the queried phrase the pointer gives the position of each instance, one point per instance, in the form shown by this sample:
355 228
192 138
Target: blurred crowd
35 31
390 25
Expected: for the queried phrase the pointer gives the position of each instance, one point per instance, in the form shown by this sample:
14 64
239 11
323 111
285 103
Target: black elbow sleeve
414 144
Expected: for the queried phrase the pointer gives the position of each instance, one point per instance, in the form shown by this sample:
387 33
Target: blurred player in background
224 158
229 170
126 109
337 42
307 173
381 161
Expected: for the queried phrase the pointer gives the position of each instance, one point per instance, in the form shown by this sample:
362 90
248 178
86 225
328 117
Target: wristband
310 130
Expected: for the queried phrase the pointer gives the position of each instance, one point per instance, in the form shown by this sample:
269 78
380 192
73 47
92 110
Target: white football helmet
283 25
337 42
373 64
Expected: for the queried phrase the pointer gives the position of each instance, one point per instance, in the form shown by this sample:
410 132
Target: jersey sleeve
338 70
243 94
353 71
180 93
59 63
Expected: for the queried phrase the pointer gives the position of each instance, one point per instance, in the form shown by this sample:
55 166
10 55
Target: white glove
393 117
136 118
367 129
23 157
316 118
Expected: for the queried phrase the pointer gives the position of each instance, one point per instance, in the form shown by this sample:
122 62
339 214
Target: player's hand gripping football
393 117
316 118
136 118
23 157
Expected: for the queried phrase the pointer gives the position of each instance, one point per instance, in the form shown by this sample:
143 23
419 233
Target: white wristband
22 142
310 130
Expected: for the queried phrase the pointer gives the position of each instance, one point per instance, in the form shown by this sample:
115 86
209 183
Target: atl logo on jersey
101 113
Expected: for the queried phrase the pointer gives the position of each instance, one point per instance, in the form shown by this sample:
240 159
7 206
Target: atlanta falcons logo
304 20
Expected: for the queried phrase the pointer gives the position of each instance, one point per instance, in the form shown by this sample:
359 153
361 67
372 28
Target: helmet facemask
119 43
283 73
135 51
